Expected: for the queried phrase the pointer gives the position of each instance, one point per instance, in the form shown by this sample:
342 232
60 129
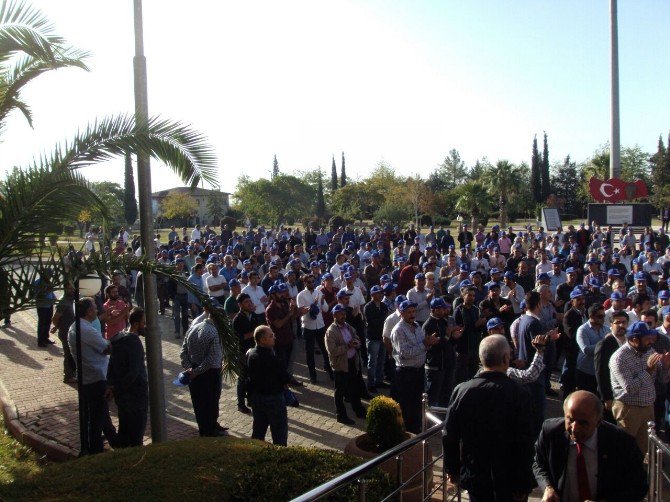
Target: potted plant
385 429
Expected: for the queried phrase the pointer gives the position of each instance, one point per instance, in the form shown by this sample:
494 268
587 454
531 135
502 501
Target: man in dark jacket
583 458
441 358
375 313
267 379
127 375
604 350
490 415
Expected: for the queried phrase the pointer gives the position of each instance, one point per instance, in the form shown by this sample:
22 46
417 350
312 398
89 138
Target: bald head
583 413
494 353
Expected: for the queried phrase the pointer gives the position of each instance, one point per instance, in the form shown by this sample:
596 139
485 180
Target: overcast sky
399 81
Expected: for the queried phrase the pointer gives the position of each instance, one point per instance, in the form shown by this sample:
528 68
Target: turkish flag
615 190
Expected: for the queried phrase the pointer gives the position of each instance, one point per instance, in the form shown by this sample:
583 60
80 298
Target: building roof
191 191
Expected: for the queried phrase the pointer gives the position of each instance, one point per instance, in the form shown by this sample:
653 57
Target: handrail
343 479
657 449
357 474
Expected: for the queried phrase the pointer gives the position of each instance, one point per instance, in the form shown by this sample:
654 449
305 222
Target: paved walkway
44 410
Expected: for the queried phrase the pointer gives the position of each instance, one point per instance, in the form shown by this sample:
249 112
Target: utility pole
615 146
153 337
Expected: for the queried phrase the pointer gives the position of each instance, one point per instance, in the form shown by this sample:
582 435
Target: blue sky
399 81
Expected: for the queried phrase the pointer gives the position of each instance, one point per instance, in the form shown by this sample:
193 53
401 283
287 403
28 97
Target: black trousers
347 384
44 317
409 385
132 424
205 392
97 417
313 337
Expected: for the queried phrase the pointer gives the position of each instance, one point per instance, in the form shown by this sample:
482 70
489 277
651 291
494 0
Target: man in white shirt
311 305
256 293
196 234
215 284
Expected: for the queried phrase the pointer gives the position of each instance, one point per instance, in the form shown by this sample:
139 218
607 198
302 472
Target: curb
48 447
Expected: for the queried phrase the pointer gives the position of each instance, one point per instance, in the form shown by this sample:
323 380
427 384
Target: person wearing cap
661 345
375 313
504 244
633 369
329 291
215 284
195 279
410 345
652 267
496 306
469 317
270 278
441 358
465 236
662 299
201 358
454 285
529 327
343 347
422 297
356 303
231 307
495 326
512 291
389 290
179 296
373 271
594 272
448 271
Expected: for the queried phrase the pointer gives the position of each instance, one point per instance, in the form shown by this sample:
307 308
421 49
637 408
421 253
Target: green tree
566 182
129 201
503 182
449 174
333 176
283 199
216 208
111 194
473 199
546 186
179 205
535 177
343 172
392 215
320 199
275 167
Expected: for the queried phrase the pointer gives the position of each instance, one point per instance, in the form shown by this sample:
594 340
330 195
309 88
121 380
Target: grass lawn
196 469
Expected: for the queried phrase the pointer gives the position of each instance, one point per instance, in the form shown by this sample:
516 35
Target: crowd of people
413 311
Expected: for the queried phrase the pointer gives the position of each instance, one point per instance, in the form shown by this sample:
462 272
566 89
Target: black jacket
621 473
127 372
490 414
601 359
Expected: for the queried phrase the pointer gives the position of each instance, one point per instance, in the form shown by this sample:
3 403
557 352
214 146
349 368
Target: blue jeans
270 410
376 359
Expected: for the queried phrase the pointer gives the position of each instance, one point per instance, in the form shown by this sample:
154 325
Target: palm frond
181 148
25 29
28 68
105 265
33 203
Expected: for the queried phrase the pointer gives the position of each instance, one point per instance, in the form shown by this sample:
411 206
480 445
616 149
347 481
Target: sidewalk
36 399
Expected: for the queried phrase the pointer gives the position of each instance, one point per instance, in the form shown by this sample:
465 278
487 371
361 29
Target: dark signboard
637 215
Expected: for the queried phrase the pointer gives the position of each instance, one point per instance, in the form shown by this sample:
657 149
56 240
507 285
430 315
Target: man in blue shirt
588 335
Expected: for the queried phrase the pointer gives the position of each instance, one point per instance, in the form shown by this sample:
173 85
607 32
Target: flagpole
615 147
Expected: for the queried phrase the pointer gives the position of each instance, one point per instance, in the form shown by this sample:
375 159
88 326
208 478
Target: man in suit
581 457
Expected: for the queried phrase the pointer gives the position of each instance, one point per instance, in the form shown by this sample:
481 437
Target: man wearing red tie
581 457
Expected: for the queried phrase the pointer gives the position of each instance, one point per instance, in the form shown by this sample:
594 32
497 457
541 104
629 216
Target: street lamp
87 286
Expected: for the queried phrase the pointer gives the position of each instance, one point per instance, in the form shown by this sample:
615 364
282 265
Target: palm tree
33 200
473 200
502 181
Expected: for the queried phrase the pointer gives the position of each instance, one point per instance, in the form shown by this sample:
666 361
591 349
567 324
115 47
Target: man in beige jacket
343 347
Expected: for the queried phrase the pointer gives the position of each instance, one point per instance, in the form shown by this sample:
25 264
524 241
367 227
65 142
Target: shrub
384 423
338 221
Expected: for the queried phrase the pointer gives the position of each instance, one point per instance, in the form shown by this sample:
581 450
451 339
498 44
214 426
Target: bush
199 468
426 220
392 214
338 221
441 221
384 423
68 230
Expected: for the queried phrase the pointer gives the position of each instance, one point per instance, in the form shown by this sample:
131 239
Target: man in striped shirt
633 369
201 358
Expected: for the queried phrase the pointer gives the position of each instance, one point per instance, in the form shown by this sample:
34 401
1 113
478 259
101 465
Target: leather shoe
295 383
243 408
219 427
345 420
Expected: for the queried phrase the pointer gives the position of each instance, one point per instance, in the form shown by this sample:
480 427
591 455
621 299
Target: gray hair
492 350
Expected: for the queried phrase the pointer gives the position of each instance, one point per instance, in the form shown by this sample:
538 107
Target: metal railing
432 428
658 451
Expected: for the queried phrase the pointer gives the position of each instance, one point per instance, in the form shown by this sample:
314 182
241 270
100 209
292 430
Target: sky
402 82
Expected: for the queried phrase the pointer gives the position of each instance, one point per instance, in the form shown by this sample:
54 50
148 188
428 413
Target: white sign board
551 221
618 214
